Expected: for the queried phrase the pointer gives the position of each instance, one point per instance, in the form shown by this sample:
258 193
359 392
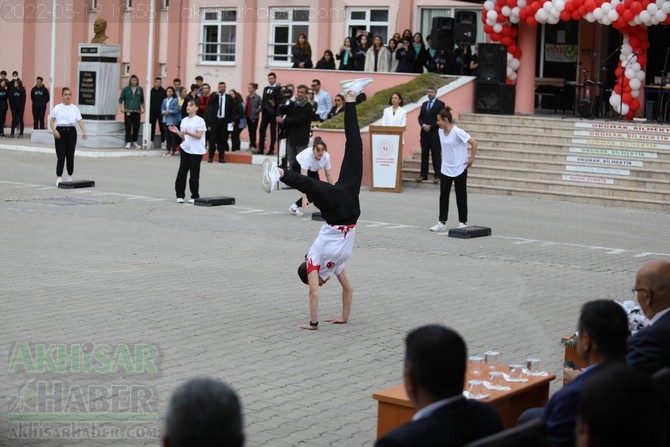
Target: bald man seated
649 349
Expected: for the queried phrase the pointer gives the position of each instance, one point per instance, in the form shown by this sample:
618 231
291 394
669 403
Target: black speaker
497 99
585 108
465 30
442 34
492 64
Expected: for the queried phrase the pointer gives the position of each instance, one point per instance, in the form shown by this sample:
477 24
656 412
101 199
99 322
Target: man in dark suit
217 116
430 142
435 363
297 124
649 349
622 407
602 330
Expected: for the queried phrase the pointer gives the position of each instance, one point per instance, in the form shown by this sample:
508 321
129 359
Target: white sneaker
294 210
58 180
270 175
438 227
462 225
180 200
191 201
354 85
163 145
135 145
127 146
69 178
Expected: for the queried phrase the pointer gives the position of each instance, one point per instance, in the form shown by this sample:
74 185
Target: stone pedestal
100 135
98 81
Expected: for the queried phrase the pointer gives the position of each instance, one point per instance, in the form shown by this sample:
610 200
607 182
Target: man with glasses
323 100
649 348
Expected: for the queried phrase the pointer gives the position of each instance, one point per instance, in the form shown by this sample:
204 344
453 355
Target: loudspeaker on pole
465 30
442 34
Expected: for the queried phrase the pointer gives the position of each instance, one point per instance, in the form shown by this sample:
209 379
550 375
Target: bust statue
99 27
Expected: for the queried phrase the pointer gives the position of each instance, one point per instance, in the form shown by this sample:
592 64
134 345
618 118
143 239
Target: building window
285 25
93 5
219 29
372 21
166 4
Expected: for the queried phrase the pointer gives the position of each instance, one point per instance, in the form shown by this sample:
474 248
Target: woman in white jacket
377 56
395 115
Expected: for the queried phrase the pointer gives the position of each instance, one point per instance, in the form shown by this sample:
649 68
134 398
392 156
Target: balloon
645 17
613 15
617 88
624 108
635 83
627 98
598 14
615 100
515 64
492 15
541 16
497 28
565 16
506 11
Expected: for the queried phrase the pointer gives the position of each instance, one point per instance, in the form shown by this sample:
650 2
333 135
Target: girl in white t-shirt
192 131
311 161
455 163
62 121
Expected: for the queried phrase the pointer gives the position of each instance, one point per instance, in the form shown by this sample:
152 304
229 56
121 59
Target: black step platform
214 201
75 184
318 217
470 232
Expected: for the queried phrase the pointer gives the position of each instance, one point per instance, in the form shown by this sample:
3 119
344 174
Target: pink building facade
240 42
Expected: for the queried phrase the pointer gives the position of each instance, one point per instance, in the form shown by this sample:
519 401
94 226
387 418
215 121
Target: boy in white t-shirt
340 207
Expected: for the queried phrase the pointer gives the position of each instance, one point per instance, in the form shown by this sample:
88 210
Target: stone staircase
596 161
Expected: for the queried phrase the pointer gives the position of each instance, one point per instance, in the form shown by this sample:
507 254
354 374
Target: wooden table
395 409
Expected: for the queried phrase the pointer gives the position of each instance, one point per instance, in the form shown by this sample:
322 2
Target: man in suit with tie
649 348
217 116
435 363
430 143
602 330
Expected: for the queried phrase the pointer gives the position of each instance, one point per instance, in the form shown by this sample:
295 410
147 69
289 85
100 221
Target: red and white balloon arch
630 17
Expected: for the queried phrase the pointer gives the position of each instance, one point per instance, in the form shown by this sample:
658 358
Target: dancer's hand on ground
335 321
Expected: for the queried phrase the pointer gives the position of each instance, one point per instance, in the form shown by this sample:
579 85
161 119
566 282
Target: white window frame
128 5
225 22
291 20
367 23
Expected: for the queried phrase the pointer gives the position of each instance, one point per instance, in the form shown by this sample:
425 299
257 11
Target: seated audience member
602 330
435 364
204 412
327 62
622 407
649 348
338 107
